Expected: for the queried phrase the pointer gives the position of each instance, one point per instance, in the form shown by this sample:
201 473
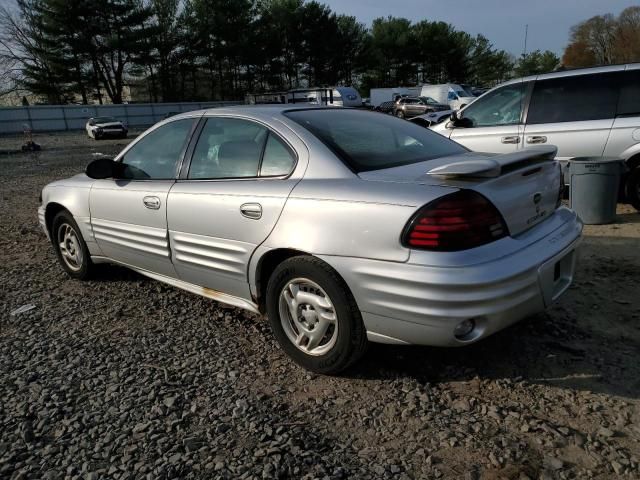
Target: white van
331 96
585 112
448 93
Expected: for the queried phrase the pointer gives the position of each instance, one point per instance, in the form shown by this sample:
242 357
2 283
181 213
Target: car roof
573 72
250 110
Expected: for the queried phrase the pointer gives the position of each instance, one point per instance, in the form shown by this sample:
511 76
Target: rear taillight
458 221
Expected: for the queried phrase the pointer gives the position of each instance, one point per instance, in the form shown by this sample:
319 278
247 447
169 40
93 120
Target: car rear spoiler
491 167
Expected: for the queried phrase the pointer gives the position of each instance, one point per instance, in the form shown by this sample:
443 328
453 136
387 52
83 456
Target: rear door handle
537 139
151 202
511 139
251 210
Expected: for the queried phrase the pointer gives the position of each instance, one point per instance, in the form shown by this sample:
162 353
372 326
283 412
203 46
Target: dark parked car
409 107
386 107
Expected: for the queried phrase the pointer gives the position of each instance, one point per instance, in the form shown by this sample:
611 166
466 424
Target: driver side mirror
104 168
456 120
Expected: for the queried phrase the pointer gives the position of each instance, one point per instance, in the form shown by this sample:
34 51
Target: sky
501 21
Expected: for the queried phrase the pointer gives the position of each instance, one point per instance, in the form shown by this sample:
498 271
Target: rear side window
629 103
277 159
371 141
237 148
228 148
574 99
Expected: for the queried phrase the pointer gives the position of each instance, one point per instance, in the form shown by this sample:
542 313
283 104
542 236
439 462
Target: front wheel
400 114
70 247
632 188
314 317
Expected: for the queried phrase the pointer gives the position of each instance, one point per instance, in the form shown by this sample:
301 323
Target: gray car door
493 122
129 214
574 113
228 201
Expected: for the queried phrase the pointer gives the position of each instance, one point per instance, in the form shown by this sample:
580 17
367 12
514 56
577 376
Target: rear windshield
372 141
104 120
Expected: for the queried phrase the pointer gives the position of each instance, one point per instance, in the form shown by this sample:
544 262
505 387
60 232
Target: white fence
47 118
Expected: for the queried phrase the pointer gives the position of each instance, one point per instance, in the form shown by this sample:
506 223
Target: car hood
109 124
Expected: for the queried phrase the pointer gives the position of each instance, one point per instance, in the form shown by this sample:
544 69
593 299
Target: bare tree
21 49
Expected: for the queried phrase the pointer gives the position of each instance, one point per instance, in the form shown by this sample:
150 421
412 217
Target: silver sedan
343 226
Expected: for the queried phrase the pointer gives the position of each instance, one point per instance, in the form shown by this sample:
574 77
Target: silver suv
586 112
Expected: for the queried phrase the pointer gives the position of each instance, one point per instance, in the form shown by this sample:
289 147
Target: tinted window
574 99
228 148
630 93
370 141
277 159
503 106
157 154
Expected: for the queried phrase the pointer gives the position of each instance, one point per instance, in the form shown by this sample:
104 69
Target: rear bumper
407 303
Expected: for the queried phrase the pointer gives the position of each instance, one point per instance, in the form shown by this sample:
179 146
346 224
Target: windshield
372 141
429 100
104 120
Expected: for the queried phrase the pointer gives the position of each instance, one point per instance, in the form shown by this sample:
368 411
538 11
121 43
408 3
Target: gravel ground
123 377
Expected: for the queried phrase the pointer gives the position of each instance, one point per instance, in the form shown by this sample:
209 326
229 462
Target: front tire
70 247
314 316
632 188
400 114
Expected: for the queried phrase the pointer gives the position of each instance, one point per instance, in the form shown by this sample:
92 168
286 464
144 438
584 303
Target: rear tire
327 333
632 188
71 249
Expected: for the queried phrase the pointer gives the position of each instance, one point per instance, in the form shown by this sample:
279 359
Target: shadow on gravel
515 354
589 341
107 273
632 218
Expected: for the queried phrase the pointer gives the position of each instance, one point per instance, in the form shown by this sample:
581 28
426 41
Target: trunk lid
523 185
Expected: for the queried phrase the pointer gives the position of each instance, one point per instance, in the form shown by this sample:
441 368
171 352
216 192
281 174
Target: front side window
156 155
503 106
370 141
574 99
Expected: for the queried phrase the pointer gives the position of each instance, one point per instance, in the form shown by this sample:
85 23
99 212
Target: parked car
386 107
342 225
585 112
101 127
430 119
408 107
391 94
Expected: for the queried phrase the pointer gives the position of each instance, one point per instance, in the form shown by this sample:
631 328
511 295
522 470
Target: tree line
605 40
85 51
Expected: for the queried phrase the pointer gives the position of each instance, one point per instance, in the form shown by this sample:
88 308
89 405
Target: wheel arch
51 210
266 264
633 161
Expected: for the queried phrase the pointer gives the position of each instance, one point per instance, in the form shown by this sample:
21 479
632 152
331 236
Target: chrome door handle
537 139
510 139
251 210
151 202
